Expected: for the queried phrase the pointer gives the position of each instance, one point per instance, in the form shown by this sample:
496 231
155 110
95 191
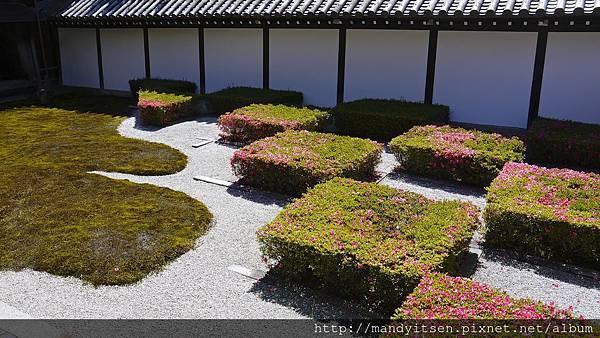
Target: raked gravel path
202 283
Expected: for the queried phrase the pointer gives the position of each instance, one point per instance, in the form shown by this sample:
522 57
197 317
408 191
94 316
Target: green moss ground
55 217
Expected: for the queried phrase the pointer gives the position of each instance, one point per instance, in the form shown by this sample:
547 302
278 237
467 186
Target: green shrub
162 86
440 296
257 121
564 142
292 161
458 154
230 99
380 119
162 109
365 241
552 213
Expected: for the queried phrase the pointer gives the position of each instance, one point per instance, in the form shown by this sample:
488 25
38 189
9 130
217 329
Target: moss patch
57 218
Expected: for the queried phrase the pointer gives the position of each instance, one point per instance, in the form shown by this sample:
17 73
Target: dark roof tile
358 8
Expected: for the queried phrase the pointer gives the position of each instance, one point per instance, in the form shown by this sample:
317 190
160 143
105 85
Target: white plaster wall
174 54
485 77
385 64
571 80
79 57
233 57
305 60
122 56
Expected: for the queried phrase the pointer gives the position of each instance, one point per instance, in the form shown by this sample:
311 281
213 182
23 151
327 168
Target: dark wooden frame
99 53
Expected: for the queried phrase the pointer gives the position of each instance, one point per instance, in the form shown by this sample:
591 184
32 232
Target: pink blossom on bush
454 153
292 161
439 296
257 121
549 212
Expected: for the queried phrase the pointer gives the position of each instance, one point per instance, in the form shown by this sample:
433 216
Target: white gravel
200 284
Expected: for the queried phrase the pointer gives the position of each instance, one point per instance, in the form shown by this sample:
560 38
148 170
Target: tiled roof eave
174 10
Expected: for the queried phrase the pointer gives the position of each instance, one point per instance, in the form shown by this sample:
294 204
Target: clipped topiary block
365 241
293 161
162 109
258 121
469 156
564 142
230 99
161 86
440 296
552 213
380 119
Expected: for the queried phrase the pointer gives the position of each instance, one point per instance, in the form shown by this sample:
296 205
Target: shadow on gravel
258 196
586 278
201 119
308 302
447 186
229 145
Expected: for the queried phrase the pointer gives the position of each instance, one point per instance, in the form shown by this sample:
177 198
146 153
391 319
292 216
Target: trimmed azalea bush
469 156
552 213
161 86
380 119
440 296
256 121
230 99
365 241
564 142
293 161
162 109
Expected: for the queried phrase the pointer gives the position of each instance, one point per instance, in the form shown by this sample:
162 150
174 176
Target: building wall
386 64
485 77
233 57
305 60
79 57
174 54
122 57
571 80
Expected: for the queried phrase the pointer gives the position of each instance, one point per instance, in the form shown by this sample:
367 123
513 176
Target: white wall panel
305 60
485 77
385 64
174 54
79 57
571 80
233 57
122 56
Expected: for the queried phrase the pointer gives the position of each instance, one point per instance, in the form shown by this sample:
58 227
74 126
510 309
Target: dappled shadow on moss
103 104
56 217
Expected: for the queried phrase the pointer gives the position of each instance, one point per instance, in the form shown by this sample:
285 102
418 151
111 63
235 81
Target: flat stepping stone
246 272
216 181
200 144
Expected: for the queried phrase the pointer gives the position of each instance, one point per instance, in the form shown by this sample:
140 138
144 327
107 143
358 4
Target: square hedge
229 99
439 296
552 213
162 109
365 241
469 156
380 119
564 142
257 121
293 161
161 86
